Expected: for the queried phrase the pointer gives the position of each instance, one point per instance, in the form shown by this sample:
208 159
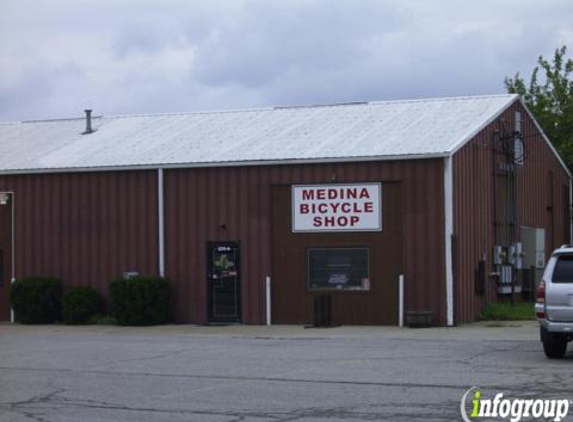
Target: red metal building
449 193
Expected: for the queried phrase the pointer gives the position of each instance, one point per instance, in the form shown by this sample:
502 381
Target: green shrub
36 300
505 311
80 304
140 300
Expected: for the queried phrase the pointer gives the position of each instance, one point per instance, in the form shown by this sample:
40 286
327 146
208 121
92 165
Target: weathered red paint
473 205
84 228
233 203
88 228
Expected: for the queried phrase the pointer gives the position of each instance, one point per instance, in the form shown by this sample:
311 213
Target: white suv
554 307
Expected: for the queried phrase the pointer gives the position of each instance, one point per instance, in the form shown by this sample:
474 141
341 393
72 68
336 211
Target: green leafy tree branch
551 99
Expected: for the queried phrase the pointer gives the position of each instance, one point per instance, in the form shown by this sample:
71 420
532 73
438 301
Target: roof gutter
249 163
472 134
469 136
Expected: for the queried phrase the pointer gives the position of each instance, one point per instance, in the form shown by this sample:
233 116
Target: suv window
563 272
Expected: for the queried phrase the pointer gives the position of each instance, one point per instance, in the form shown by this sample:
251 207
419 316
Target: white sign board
337 207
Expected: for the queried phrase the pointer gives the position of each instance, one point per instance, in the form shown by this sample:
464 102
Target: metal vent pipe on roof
89 128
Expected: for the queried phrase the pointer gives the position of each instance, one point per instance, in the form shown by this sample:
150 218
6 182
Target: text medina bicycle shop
344 207
461 198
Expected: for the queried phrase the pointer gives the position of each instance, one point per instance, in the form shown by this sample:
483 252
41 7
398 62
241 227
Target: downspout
448 232
160 223
570 210
11 202
13 246
13 279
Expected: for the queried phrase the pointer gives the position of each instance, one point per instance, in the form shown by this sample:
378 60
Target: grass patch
505 311
102 320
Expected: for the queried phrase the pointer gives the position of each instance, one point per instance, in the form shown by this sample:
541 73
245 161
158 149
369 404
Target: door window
223 282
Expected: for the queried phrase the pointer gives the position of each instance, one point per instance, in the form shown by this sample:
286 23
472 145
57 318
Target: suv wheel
555 347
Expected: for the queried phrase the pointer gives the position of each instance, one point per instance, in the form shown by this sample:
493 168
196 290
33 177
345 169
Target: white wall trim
12 204
448 231
161 222
473 133
570 211
268 299
401 301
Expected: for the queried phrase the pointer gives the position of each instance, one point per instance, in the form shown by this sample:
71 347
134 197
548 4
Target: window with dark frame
338 268
563 272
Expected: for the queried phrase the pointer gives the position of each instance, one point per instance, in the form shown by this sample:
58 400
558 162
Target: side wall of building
474 204
84 228
89 228
220 204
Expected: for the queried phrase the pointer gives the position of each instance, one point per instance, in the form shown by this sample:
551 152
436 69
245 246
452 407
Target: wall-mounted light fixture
4 198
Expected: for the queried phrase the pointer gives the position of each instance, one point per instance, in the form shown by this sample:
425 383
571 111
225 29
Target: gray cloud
145 56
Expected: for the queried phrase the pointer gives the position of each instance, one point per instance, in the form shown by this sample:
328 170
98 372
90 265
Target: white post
570 211
12 203
268 291
160 223
449 230
401 301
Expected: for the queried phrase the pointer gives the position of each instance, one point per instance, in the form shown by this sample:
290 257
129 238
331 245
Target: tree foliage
550 99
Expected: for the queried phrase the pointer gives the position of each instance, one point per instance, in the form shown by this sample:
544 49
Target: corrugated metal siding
198 201
471 164
534 189
291 298
88 228
85 228
473 206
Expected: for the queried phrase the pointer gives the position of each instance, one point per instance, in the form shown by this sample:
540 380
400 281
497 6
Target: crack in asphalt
35 407
396 399
245 378
25 406
154 357
38 407
556 384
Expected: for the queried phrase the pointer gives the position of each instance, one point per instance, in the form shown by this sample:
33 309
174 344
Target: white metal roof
347 132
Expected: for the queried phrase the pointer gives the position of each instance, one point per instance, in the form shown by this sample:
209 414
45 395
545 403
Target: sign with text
337 207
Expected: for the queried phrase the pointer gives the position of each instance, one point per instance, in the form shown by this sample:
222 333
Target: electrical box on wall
516 255
511 255
498 255
533 240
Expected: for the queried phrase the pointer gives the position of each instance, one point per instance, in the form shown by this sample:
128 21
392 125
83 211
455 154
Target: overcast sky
58 57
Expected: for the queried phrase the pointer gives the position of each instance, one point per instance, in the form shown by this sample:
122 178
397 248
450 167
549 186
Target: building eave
174 166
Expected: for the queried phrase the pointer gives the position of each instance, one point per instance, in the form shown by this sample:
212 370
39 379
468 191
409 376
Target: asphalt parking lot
267 374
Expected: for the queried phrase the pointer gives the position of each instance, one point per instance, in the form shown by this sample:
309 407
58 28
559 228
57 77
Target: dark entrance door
223 281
